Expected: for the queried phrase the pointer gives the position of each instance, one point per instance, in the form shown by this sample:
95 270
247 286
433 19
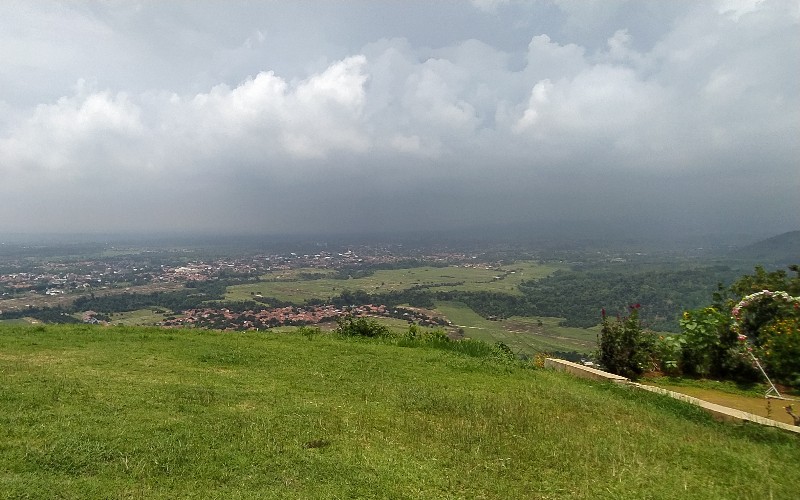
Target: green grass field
521 334
119 412
287 286
19 321
138 317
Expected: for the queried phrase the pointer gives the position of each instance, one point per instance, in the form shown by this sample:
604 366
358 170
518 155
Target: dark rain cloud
349 116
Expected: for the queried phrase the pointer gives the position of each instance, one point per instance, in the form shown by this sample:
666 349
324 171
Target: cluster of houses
225 319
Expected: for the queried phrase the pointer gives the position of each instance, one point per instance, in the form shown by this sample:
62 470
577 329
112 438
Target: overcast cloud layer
352 116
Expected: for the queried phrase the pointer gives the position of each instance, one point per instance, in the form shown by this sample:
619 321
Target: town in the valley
31 286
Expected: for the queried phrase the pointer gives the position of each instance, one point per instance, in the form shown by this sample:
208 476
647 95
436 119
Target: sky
674 116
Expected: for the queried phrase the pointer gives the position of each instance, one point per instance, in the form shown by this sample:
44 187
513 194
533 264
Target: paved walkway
718 411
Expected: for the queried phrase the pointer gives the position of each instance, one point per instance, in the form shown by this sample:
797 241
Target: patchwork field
525 335
144 317
119 412
291 286
22 301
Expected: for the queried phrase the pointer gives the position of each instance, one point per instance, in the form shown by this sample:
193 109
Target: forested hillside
780 250
578 296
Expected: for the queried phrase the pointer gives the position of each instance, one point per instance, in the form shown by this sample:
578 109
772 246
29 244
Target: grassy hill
124 412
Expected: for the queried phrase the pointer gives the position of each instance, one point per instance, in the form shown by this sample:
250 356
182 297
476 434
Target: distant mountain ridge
783 249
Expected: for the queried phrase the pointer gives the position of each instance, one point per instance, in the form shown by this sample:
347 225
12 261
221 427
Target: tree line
750 325
576 296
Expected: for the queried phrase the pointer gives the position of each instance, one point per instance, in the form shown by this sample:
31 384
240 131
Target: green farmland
138 317
290 286
523 335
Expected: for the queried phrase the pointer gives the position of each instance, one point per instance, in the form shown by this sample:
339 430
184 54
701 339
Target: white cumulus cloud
212 113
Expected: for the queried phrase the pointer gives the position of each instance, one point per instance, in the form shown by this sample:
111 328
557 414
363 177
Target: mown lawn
122 412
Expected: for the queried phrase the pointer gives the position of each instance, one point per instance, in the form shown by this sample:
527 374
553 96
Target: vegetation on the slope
576 296
782 249
579 296
523 334
520 289
756 318
118 412
625 349
349 326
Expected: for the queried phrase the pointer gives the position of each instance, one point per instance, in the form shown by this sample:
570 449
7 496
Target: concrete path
717 411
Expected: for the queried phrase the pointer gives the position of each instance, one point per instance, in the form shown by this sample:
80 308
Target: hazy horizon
656 118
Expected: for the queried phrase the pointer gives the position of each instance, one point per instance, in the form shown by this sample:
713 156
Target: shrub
503 352
350 326
539 358
625 349
709 347
309 332
703 332
667 353
781 350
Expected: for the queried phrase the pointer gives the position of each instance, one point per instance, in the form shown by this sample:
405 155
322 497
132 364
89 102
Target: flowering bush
760 308
718 341
771 320
712 347
781 350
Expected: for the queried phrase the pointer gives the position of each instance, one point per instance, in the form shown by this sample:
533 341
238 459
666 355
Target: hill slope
783 249
90 412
